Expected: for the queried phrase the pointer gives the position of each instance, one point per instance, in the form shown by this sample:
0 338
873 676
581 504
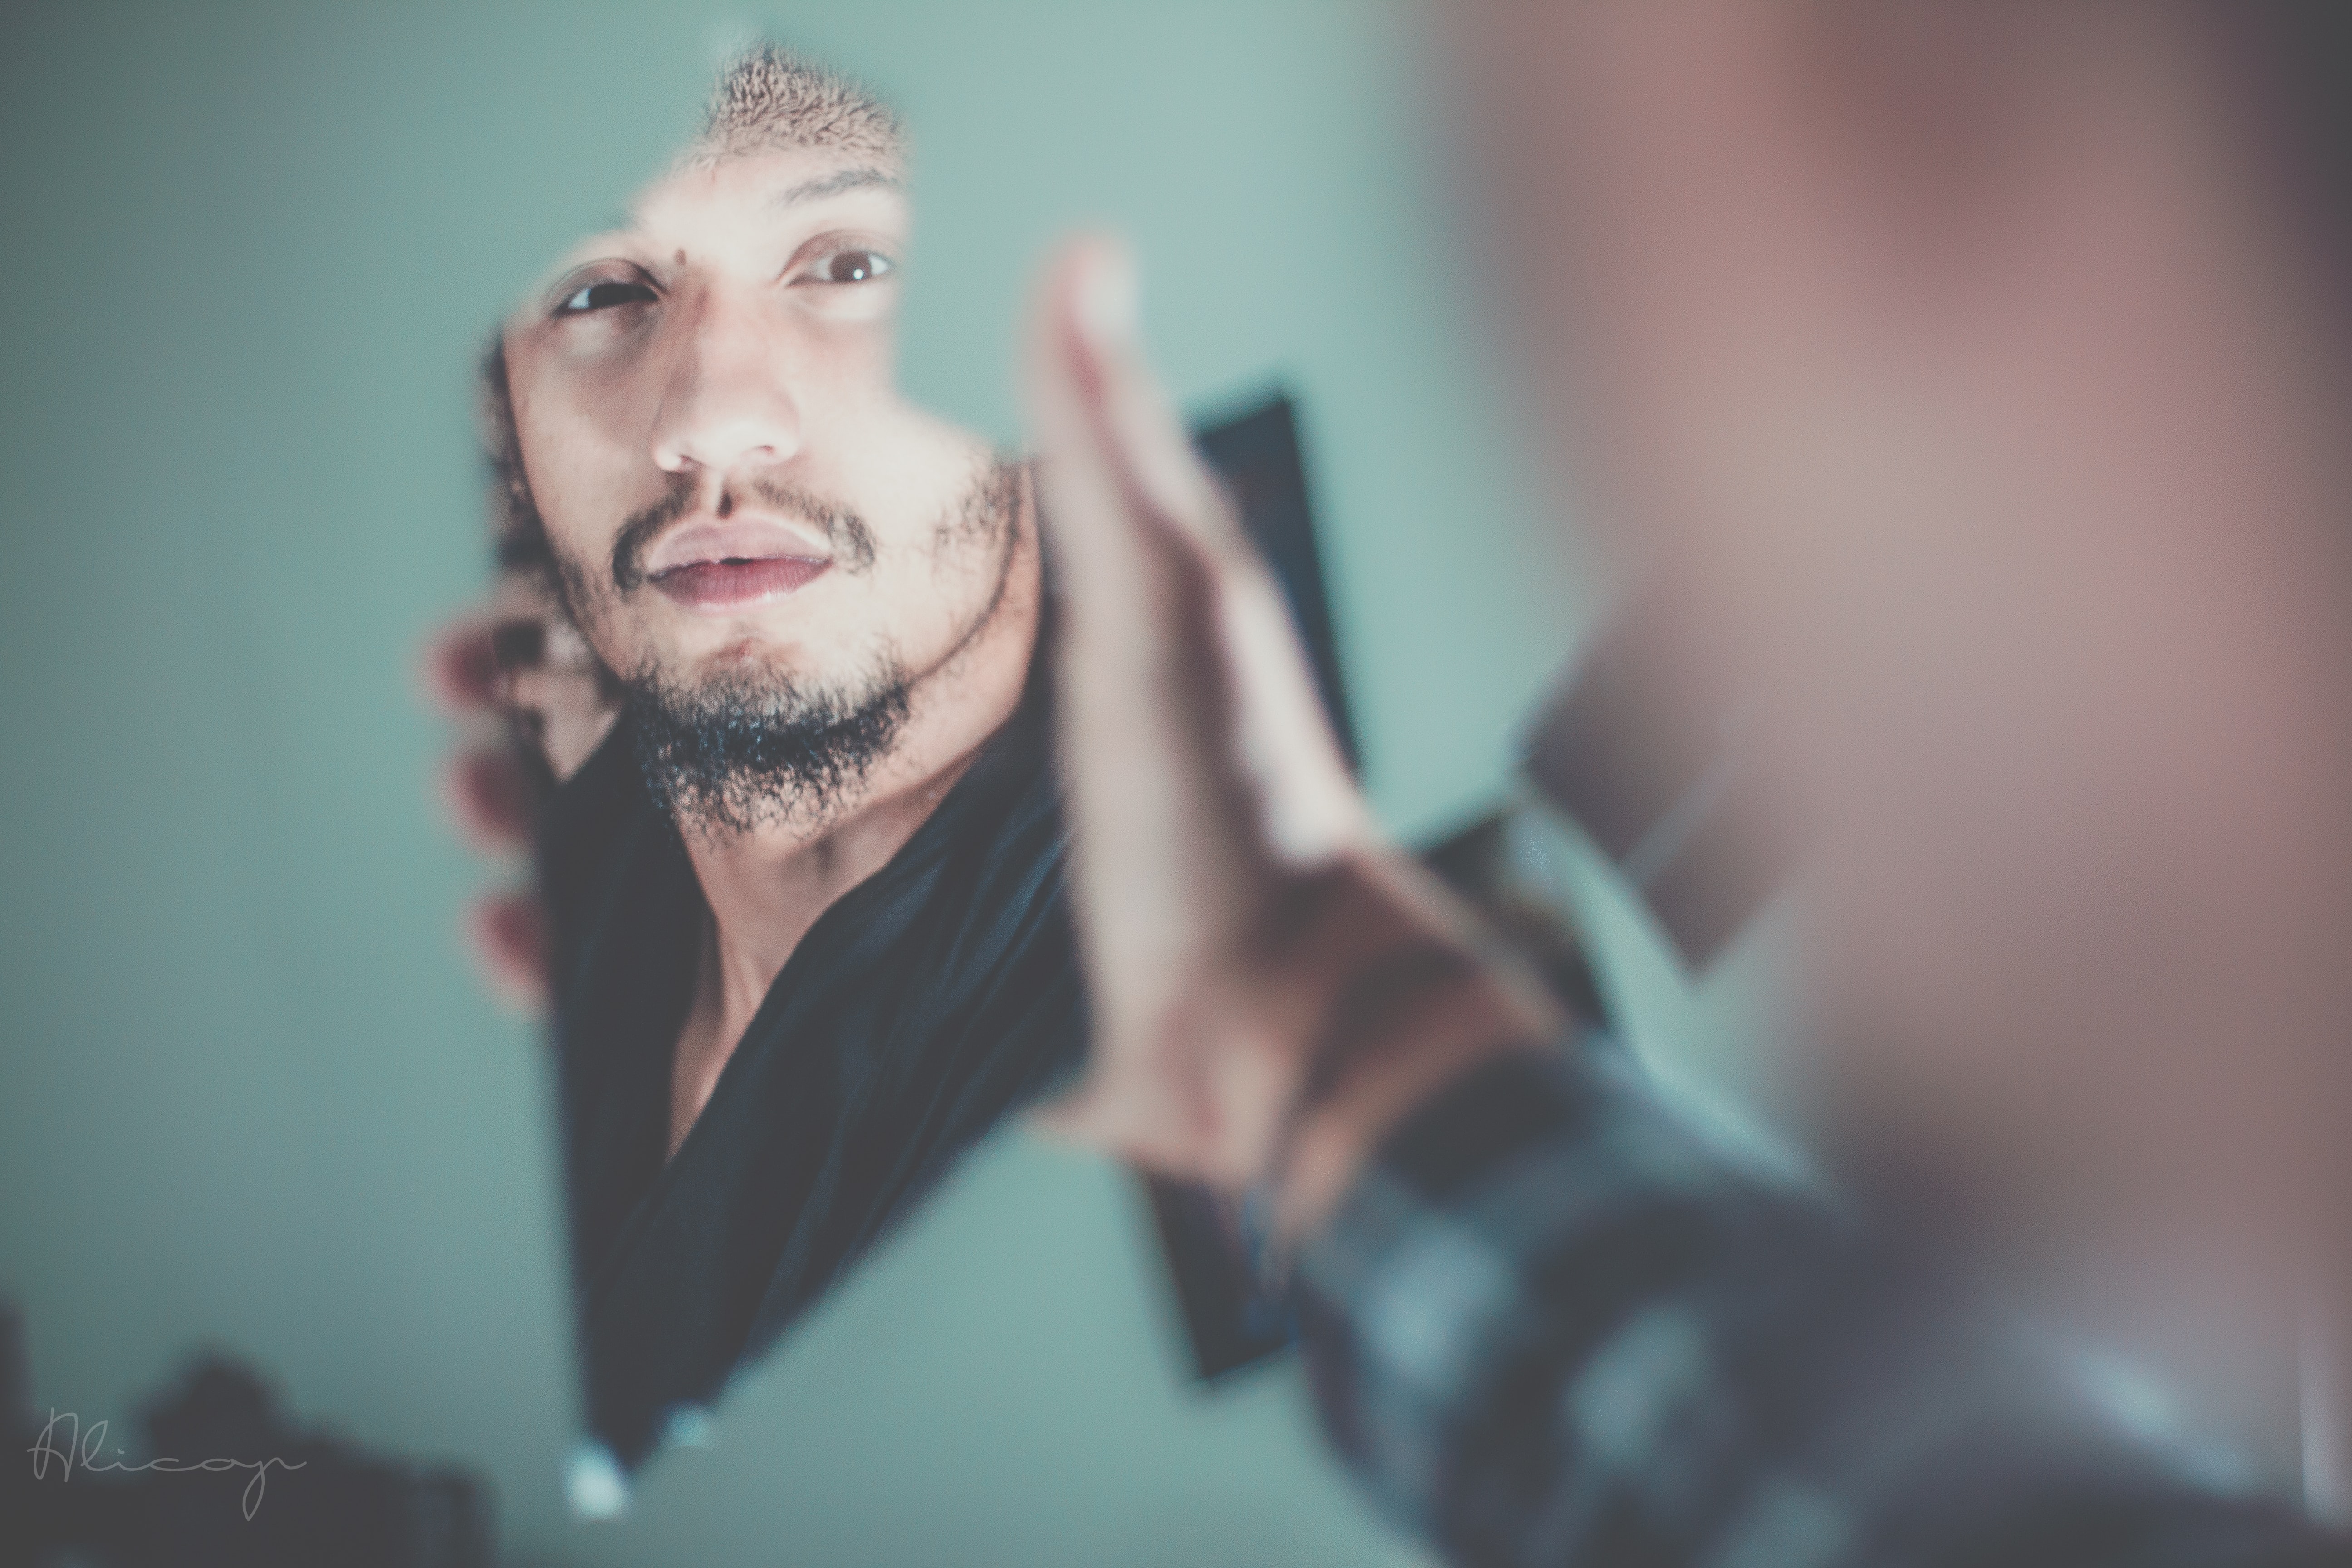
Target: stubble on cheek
977 530
987 529
586 596
584 599
972 549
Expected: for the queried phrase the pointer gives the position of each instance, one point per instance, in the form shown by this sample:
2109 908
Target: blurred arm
1548 1325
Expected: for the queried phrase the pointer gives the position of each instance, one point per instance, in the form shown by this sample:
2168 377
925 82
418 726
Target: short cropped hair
768 96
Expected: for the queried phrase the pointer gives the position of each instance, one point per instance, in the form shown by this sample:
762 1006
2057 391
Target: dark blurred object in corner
320 1501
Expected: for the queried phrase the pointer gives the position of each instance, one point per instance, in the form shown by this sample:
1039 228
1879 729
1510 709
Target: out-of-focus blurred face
1957 358
735 493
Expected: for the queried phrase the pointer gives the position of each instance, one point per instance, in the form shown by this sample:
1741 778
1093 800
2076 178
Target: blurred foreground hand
1272 986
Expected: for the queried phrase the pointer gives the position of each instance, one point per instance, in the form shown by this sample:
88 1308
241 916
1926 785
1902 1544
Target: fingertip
1103 291
1087 301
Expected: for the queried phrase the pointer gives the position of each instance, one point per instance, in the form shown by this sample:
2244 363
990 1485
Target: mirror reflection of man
806 940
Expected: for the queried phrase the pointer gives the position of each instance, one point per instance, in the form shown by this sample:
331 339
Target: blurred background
253 1097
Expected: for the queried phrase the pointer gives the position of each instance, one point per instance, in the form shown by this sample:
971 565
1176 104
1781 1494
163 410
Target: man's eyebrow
832 185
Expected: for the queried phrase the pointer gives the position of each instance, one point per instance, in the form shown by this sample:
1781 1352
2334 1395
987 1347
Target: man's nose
726 401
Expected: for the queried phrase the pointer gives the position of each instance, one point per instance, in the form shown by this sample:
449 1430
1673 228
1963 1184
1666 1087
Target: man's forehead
758 189
783 140
765 182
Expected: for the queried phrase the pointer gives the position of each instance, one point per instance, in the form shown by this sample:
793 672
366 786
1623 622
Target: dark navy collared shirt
927 1004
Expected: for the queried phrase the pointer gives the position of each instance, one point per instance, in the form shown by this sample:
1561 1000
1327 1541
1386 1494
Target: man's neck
767 887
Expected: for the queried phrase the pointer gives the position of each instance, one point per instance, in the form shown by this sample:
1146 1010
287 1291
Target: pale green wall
250 1094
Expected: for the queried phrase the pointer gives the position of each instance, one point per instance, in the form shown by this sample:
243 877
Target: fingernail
1106 294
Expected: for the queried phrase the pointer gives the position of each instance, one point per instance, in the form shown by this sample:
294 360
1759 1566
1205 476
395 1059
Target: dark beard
750 751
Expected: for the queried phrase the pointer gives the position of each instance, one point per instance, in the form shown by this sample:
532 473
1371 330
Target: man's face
737 498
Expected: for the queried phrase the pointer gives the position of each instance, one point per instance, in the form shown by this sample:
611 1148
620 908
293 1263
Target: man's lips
740 536
712 564
724 585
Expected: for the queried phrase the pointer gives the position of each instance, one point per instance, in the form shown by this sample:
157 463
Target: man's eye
852 267
604 296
